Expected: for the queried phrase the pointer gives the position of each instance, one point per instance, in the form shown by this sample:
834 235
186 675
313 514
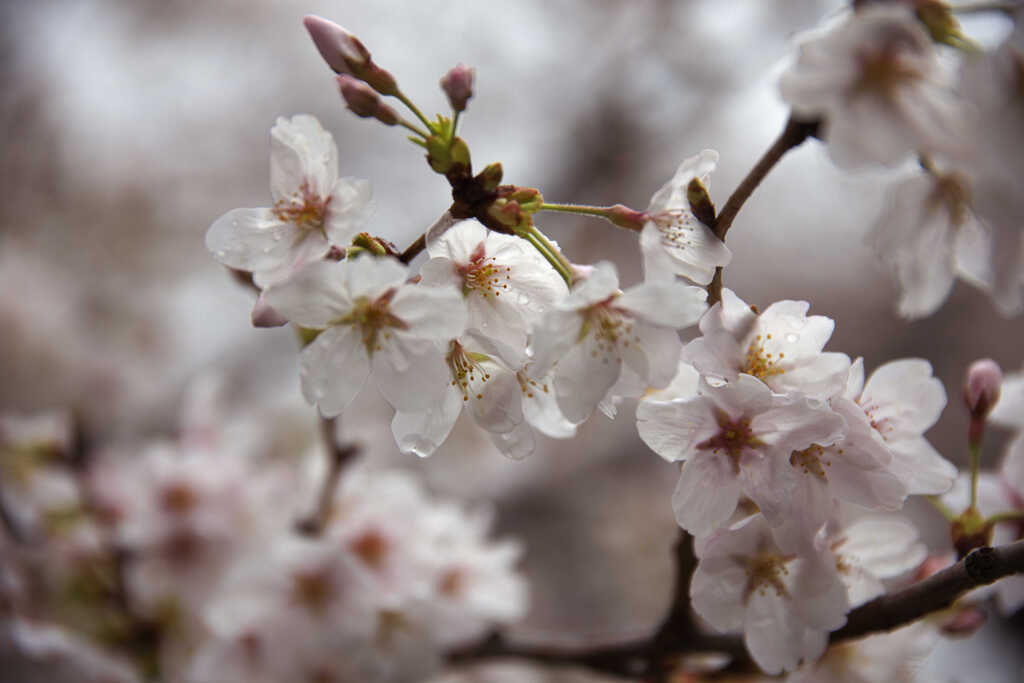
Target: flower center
482 274
374 319
733 439
811 460
371 547
528 385
760 362
610 328
764 571
466 368
675 227
312 588
305 209
883 72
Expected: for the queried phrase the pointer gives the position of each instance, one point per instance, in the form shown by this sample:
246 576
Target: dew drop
221 253
524 299
792 338
277 237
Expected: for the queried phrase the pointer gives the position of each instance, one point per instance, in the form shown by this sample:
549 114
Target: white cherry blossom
784 603
877 81
929 236
673 240
598 329
896 656
372 320
313 208
782 347
734 439
506 282
901 401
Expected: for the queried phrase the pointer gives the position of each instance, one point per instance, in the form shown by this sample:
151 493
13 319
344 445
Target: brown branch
793 135
414 249
339 457
892 610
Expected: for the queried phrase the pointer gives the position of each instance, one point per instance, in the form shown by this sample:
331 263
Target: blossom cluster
905 72
195 544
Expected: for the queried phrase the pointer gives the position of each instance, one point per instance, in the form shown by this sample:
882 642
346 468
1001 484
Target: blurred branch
793 135
892 610
414 249
974 8
339 456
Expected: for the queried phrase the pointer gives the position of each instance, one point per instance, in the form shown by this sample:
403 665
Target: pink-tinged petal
776 637
435 313
924 471
301 152
348 209
422 432
252 240
333 368
706 494
673 429
718 596
313 297
903 398
668 304
264 315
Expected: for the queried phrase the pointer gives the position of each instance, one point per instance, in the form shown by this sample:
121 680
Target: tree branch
793 135
892 610
339 456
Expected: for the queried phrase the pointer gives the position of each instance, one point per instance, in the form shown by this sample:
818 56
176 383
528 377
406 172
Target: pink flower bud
359 97
981 388
458 85
387 115
263 315
340 49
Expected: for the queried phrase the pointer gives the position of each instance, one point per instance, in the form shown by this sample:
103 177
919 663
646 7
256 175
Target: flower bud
340 49
700 202
387 115
263 315
360 98
490 177
625 217
458 86
981 388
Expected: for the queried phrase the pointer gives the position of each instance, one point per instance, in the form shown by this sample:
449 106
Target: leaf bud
700 202
528 198
490 177
458 86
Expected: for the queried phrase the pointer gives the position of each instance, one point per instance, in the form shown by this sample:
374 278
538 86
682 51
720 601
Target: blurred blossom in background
132 125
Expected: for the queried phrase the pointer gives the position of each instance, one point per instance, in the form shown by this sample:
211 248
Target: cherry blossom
313 208
877 82
734 439
371 321
902 400
785 604
883 658
781 346
598 330
506 282
673 240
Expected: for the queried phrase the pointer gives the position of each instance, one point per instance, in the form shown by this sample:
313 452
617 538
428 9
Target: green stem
414 128
414 109
941 507
582 209
1008 516
549 252
455 124
974 449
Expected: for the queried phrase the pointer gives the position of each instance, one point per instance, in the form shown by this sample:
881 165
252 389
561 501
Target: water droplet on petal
277 237
792 338
221 253
524 299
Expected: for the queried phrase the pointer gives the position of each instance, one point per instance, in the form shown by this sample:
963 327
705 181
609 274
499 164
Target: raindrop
524 299
277 237
221 253
792 338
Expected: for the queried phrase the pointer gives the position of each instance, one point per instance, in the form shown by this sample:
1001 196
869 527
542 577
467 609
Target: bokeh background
131 125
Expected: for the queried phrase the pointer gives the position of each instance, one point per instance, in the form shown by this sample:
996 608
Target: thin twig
414 249
339 456
795 132
892 610
1008 7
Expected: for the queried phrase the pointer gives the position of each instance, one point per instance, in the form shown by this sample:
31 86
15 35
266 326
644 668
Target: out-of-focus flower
877 82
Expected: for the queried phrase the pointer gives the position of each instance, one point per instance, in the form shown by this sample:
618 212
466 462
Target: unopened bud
360 98
387 115
528 198
981 388
340 49
263 315
506 213
458 86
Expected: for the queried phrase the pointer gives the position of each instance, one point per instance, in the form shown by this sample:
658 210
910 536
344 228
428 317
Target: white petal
706 494
669 304
409 377
583 377
301 151
905 395
348 209
333 369
437 313
516 444
252 240
370 277
313 297
422 432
